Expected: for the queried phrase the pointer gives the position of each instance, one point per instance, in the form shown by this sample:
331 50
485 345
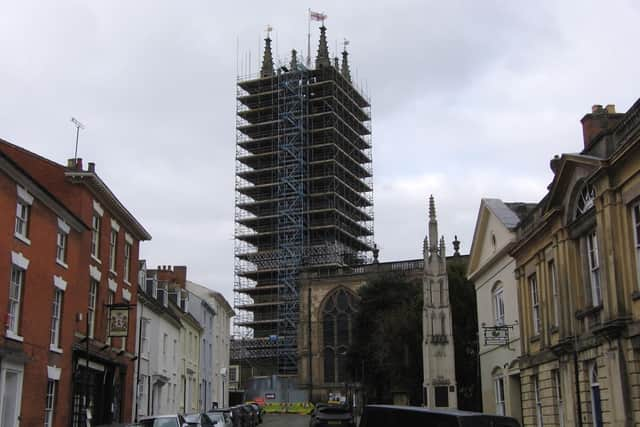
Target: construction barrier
300 408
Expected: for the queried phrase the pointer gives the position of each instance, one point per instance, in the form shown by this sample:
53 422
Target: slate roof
510 213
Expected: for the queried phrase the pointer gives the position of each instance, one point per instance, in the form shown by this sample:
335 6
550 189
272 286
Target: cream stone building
491 269
439 385
577 265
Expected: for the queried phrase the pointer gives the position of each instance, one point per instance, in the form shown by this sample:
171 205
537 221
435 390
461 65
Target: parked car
413 416
221 418
175 420
228 413
254 411
331 415
251 415
259 410
199 420
241 417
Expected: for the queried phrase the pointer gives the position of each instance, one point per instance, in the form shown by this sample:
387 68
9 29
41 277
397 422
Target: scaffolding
304 200
292 234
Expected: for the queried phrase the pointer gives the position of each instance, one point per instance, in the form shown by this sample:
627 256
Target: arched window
585 200
337 325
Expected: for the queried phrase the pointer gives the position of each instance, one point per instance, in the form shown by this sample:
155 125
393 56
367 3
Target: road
289 420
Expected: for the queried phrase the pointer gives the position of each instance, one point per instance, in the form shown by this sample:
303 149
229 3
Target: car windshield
216 416
159 422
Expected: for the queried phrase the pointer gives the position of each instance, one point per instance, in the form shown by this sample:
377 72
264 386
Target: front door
10 394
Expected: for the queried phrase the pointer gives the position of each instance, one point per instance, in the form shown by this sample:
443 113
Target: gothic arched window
337 325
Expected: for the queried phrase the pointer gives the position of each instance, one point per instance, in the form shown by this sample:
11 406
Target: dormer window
585 200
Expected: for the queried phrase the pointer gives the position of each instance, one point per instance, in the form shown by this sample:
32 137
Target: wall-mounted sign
118 320
270 396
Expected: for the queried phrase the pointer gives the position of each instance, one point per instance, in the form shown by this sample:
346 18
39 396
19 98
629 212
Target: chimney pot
92 167
596 108
611 108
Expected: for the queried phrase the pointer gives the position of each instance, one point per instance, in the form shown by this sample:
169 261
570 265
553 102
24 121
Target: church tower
439 385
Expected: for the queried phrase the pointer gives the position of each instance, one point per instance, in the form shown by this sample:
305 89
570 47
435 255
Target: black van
415 416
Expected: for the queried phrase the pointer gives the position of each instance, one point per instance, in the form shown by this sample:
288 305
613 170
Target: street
285 420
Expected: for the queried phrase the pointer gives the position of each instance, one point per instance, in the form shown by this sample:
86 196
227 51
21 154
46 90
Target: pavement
285 420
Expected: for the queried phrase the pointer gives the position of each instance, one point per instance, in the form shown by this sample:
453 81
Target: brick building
70 250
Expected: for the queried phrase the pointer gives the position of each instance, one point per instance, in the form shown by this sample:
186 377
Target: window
56 318
535 304
127 261
596 402
557 390
113 247
553 279
91 309
144 334
498 304
442 303
61 247
337 324
585 200
594 269
22 218
49 403
152 283
499 390
636 234
95 235
165 337
538 401
15 299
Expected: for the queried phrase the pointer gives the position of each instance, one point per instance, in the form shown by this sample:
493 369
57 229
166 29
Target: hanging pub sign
118 320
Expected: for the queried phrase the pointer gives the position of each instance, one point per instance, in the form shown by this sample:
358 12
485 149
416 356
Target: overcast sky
470 99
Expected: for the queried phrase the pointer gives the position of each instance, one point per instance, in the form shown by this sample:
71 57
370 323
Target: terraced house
69 253
578 271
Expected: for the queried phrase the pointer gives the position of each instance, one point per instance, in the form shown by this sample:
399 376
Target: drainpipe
310 357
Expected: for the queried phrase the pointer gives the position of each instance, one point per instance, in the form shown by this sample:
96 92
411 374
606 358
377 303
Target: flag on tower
317 16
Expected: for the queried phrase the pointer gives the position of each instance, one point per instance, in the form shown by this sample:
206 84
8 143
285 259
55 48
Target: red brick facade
73 195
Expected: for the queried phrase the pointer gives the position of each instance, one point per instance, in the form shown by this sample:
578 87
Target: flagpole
309 38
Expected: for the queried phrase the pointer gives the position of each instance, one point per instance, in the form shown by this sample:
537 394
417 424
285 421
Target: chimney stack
75 164
600 119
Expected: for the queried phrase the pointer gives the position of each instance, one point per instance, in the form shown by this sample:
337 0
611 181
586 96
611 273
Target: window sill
534 338
113 272
588 311
9 334
62 264
55 349
554 329
23 239
96 259
126 282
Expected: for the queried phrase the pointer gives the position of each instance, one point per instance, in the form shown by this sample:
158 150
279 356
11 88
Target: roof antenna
78 126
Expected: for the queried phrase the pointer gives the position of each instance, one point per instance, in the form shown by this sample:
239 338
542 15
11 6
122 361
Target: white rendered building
160 355
219 333
491 269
